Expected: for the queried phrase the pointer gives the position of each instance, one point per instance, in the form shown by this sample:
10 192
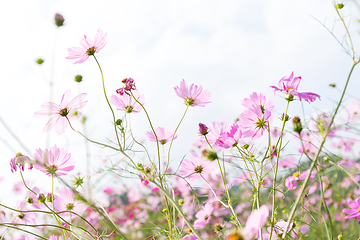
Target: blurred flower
59 20
66 109
193 95
66 202
54 161
354 211
289 86
196 167
203 216
19 161
127 103
161 135
88 47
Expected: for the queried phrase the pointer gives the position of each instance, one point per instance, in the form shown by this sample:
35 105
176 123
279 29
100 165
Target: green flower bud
297 125
339 6
39 61
118 122
332 85
59 20
78 78
181 202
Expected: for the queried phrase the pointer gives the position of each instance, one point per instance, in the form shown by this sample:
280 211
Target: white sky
231 48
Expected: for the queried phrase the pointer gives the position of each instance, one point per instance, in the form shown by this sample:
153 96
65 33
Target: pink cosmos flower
66 202
88 47
215 129
127 103
255 221
203 216
53 237
196 167
190 237
193 95
25 217
54 161
354 211
231 138
289 85
66 109
278 230
20 160
255 121
258 100
161 135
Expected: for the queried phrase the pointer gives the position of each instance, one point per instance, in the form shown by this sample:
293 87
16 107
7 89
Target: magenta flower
127 103
196 167
54 161
161 135
203 216
254 121
231 138
59 112
19 161
193 95
289 86
203 129
88 47
354 211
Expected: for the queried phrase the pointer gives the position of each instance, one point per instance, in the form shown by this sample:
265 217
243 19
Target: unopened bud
203 129
211 155
30 200
78 78
39 61
118 122
59 20
339 6
49 197
181 202
332 85
286 118
41 198
246 146
340 237
297 125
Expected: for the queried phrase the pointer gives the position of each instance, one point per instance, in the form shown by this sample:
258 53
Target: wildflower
88 47
254 121
258 100
60 113
19 161
129 85
54 161
289 86
231 138
193 95
203 129
354 211
190 237
161 135
203 216
127 103
66 202
196 167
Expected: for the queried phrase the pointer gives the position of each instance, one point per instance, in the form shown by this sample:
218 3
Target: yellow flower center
296 174
359 209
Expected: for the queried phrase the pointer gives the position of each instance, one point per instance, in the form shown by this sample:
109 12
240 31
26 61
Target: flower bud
118 122
297 125
59 20
41 198
78 78
286 117
49 197
246 146
332 85
339 6
39 61
181 202
78 181
203 129
218 227
211 155
29 200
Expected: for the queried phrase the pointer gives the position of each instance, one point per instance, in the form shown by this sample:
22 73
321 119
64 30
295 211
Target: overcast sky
231 48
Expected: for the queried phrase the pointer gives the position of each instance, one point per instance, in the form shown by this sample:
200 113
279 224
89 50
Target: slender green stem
107 100
318 153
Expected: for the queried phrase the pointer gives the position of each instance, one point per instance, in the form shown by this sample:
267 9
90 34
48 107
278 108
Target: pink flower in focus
193 95
289 86
88 47
203 216
161 135
258 100
54 161
354 211
196 167
127 103
66 109
231 138
254 121
66 202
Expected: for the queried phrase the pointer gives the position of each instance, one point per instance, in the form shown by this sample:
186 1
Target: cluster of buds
129 85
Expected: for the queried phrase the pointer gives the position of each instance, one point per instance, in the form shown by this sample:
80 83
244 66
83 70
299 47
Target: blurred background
231 48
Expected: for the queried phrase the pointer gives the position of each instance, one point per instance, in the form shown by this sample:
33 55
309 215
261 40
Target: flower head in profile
289 86
60 112
196 167
193 95
88 47
162 136
127 103
19 161
54 161
354 210
255 121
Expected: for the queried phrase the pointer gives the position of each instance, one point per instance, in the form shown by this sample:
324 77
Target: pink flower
127 103
255 221
278 229
203 216
231 138
161 135
53 237
88 47
194 95
258 100
255 121
196 167
66 202
66 109
20 160
25 217
354 211
289 85
190 237
54 161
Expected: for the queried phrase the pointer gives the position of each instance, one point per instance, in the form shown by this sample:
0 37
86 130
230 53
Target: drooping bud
203 129
297 125
39 61
41 198
78 78
59 20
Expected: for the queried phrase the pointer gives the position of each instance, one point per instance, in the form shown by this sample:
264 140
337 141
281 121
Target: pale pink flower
53 237
354 211
254 121
190 237
215 129
231 138
25 217
258 100
289 86
19 161
127 103
66 109
196 167
193 95
31 237
55 161
203 216
278 230
162 136
88 47
255 221
66 202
